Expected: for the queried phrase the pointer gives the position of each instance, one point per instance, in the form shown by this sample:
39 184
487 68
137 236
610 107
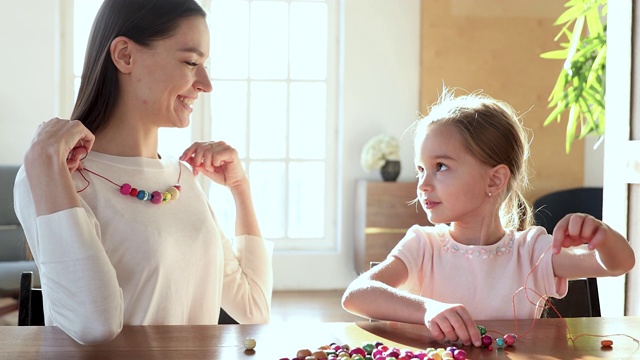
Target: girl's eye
419 171
190 63
441 167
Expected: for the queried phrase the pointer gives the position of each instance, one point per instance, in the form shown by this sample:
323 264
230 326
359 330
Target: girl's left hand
216 160
578 229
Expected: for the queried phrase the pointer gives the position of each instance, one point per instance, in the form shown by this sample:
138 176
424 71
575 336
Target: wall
28 69
380 81
380 77
495 46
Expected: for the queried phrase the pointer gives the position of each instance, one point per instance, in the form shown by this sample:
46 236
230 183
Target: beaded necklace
155 197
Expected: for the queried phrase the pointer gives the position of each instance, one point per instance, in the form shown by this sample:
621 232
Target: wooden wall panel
495 46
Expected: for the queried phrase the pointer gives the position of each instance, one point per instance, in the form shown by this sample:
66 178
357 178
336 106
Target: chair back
30 308
582 299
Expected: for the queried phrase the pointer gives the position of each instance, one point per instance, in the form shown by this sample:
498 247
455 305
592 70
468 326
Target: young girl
470 158
116 243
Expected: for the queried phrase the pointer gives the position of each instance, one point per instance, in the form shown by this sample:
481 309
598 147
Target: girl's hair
142 21
492 132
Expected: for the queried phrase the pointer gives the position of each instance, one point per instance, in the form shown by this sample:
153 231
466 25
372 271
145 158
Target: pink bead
486 340
460 355
156 197
125 189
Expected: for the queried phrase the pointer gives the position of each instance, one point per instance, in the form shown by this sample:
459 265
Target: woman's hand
61 140
578 229
451 322
218 161
57 150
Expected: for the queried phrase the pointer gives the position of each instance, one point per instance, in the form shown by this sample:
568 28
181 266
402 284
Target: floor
286 306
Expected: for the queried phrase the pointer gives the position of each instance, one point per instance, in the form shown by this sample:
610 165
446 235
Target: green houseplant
580 87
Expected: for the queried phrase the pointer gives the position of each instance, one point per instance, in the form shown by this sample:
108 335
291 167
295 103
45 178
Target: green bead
368 348
482 329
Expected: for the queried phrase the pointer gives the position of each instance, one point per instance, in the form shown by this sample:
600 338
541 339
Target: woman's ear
121 53
499 177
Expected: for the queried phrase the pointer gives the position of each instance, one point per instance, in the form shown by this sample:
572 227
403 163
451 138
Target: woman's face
168 76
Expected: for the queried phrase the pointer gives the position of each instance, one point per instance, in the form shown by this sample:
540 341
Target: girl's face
452 183
170 74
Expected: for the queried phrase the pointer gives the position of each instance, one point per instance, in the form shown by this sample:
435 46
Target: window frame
201 120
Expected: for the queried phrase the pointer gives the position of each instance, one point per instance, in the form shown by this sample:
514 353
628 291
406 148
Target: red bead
177 186
134 192
510 339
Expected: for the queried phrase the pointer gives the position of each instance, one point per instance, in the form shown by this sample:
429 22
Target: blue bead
142 195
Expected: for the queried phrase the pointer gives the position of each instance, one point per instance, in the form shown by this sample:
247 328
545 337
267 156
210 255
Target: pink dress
482 278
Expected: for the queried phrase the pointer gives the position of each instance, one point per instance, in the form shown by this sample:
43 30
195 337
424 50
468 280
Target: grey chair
13 244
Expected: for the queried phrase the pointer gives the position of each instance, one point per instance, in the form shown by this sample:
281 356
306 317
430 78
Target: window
273 66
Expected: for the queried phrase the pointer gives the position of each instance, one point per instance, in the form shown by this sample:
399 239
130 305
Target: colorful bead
487 340
134 192
125 189
606 343
249 343
156 197
500 343
482 329
166 196
143 195
175 192
510 339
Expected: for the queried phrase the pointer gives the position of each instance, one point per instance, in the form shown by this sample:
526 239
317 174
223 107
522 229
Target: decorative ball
134 192
156 197
482 329
606 343
125 189
175 193
460 355
249 343
303 353
500 342
510 339
487 340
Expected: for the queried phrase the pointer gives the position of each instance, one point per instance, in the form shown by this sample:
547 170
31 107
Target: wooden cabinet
383 215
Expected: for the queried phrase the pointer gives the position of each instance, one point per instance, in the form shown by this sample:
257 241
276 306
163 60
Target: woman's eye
190 63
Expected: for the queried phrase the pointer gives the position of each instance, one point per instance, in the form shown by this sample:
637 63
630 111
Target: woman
121 234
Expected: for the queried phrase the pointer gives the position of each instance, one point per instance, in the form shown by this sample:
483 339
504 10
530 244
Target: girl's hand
218 161
62 140
578 229
451 322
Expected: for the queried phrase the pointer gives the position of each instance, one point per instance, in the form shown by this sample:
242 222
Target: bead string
548 304
156 197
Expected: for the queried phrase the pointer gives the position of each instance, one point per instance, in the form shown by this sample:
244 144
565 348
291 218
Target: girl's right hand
67 141
451 322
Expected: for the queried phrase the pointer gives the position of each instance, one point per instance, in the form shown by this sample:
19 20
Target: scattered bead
510 339
301 354
606 343
500 343
482 329
249 343
487 340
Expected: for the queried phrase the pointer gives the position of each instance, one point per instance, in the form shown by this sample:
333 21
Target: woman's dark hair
142 21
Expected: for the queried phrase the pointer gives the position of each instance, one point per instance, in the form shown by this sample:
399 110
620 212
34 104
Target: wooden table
547 340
